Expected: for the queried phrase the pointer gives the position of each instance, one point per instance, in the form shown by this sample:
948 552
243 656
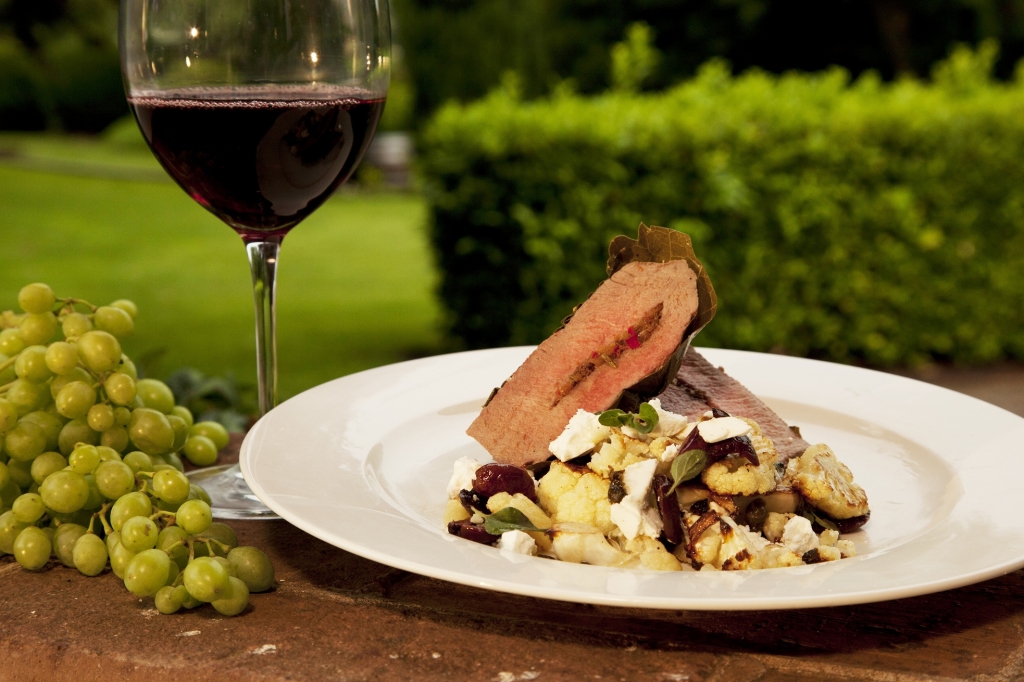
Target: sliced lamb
624 332
700 386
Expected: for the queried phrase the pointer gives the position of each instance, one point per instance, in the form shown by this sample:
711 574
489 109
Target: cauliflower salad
657 490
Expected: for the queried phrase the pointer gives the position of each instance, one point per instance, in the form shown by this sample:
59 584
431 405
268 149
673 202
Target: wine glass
259 109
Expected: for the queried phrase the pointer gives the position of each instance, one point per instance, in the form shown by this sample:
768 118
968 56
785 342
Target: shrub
854 221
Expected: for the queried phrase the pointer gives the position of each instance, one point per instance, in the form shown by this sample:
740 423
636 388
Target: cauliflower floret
740 548
569 496
774 525
737 476
826 553
582 545
536 515
653 555
829 537
778 556
846 548
827 483
454 511
617 454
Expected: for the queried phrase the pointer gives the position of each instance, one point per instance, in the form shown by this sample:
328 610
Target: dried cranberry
812 556
492 479
668 505
470 531
701 506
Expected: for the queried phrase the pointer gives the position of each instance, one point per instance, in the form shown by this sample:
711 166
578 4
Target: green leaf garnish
507 519
814 518
644 422
687 465
614 418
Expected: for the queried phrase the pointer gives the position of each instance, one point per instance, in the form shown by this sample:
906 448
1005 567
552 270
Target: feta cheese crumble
798 536
518 542
721 428
463 475
669 423
580 435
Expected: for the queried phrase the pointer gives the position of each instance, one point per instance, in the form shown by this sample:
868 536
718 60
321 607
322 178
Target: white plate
362 463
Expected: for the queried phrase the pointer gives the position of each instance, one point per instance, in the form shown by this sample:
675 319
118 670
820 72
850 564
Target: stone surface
334 615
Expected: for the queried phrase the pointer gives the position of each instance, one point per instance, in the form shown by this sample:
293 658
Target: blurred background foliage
59 66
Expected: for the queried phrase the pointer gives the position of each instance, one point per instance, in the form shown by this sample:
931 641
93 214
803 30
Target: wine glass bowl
259 110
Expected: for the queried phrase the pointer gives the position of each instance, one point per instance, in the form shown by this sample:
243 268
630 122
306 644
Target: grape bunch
68 410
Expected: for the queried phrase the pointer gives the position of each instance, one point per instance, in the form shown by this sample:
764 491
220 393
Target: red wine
258 163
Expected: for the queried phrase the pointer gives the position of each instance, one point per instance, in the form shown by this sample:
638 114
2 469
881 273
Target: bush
851 221
21 88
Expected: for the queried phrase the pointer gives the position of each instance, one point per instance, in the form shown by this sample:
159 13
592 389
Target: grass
355 280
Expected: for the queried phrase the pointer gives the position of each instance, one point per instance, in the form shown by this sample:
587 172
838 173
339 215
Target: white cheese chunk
669 453
633 518
669 423
637 479
517 541
798 536
463 475
580 435
720 428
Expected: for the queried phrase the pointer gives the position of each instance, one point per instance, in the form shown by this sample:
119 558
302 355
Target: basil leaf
507 519
687 465
814 518
646 420
614 418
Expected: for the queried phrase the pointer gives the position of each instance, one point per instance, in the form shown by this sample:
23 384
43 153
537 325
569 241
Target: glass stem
263 264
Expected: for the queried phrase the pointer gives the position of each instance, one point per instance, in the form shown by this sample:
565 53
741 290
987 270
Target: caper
757 513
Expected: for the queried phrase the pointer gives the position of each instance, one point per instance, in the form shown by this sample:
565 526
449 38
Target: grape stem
102 513
4 388
7 363
68 305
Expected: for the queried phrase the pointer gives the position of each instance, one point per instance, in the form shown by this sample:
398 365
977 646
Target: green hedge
852 221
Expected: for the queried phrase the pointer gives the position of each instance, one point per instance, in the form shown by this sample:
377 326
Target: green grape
129 506
175 461
36 298
206 580
172 573
36 329
99 350
122 416
64 539
223 533
150 431
188 601
127 367
114 479
180 427
198 492
200 450
90 555
32 548
194 517
169 599
31 365
50 425
45 464
60 357
171 486
83 517
28 508
77 374
227 565
184 413
155 394
115 321
9 493
20 473
75 399
167 506
74 432
107 453
111 540
100 417
138 461
25 441
75 324
115 439
7 374
119 559
84 459
10 528
127 306
235 599
27 396
139 533
5 476
212 430
169 538
10 342
65 491
96 498
147 572
8 415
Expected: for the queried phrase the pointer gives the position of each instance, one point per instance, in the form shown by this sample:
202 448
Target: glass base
231 497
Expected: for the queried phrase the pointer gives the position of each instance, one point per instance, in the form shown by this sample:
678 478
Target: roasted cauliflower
827 483
570 496
737 476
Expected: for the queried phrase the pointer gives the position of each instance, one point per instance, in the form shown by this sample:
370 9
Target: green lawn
355 281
